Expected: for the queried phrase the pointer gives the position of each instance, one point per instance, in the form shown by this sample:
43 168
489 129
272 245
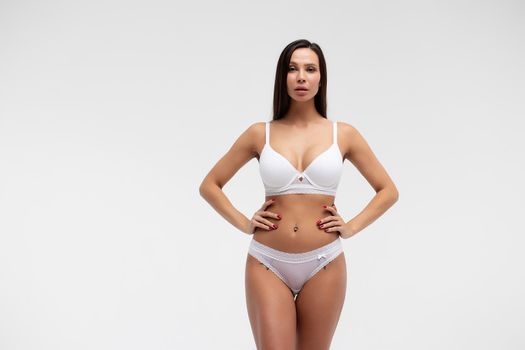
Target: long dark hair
281 99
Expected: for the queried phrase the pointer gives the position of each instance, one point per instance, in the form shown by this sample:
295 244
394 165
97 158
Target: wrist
350 230
246 227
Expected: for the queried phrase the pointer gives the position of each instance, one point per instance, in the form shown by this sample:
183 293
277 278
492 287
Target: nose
300 76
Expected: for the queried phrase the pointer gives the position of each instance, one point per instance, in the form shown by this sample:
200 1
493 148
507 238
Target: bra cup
326 171
275 173
279 176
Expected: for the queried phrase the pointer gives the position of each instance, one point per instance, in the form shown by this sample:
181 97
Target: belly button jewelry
295 228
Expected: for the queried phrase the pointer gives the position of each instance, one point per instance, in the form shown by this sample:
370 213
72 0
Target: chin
302 98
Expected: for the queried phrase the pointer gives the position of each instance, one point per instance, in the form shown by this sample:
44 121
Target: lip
301 89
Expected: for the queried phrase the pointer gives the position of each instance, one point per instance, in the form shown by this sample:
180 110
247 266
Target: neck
302 112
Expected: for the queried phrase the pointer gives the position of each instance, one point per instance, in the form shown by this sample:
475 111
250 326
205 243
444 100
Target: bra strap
335 131
267 132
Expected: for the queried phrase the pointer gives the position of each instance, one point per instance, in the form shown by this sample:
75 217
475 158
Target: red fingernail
324 206
318 221
321 226
279 216
275 226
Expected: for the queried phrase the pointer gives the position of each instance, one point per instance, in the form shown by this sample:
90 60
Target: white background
112 112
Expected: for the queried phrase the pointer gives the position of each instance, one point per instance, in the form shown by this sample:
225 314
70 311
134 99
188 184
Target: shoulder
346 130
252 136
257 127
253 130
349 137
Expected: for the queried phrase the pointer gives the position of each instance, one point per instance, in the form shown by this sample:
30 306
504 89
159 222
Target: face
303 72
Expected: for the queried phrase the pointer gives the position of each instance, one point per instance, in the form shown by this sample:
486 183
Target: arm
359 153
210 189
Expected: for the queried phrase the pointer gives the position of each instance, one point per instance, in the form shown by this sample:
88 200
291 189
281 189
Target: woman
295 274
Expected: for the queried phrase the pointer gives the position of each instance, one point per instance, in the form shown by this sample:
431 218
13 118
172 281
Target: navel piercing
295 228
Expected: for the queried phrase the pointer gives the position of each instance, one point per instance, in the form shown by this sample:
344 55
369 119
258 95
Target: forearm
379 204
215 196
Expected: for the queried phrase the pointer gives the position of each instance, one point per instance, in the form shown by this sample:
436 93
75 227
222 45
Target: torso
297 210
303 211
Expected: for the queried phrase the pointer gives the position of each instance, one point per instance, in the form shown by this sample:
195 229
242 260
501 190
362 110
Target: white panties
294 269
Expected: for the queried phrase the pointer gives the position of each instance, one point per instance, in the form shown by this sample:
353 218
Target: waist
297 230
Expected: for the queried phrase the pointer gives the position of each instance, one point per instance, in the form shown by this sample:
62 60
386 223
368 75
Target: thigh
271 307
319 305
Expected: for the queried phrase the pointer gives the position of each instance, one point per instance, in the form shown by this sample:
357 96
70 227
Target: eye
310 69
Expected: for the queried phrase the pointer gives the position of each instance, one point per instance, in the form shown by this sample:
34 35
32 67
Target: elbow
205 188
389 191
202 191
395 194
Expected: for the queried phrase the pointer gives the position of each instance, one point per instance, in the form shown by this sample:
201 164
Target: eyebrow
306 64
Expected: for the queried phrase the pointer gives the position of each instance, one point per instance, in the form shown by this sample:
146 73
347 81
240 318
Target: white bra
321 176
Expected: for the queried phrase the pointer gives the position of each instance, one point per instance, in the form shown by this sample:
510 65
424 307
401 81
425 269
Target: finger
268 203
268 223
261 225
333 211
324 223
332 229
261 222
270 214
329 208
327 219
